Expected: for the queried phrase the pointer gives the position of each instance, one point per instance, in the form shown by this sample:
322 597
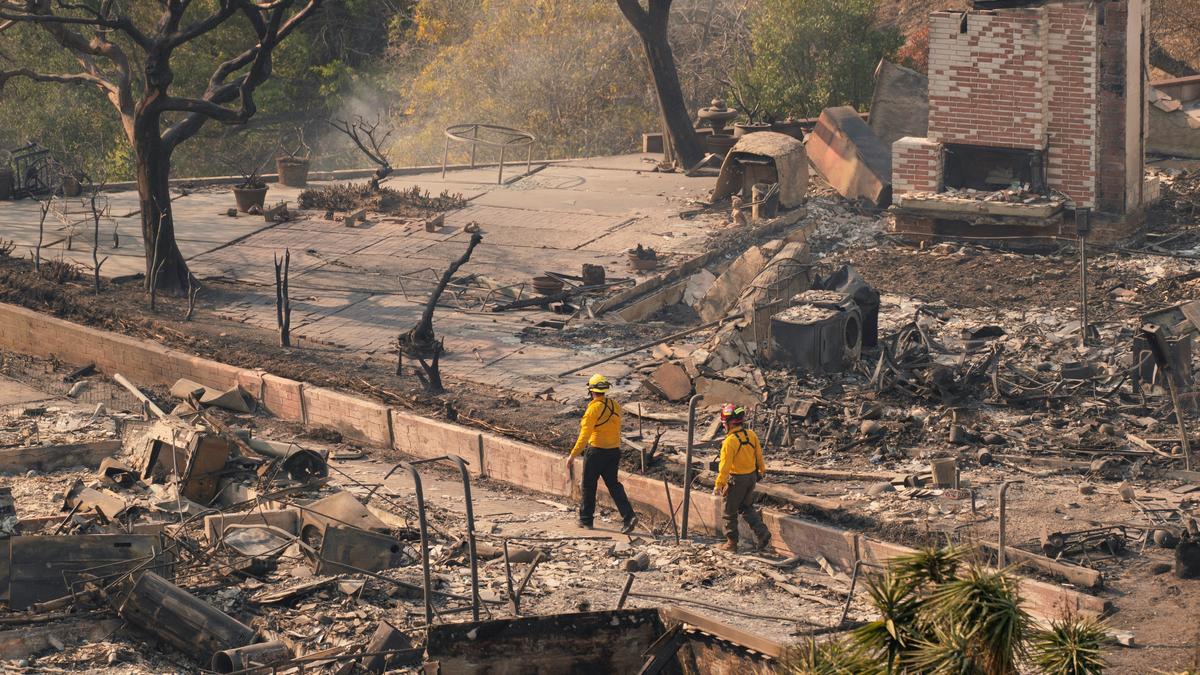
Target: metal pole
671 508
1184 442
500 177
687 465
445 157
1001 558
1083 226
474 143
529 158
1083 293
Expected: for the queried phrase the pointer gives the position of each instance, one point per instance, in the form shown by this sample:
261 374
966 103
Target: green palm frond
1072 646
830 657
983 606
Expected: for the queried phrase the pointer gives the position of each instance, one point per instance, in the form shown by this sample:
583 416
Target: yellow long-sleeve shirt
600 426
741 453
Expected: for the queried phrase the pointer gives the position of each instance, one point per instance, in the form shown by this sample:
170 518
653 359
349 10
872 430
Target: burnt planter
250 197
293 171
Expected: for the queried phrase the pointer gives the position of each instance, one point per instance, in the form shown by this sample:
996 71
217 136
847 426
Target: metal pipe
625 592
1083 294
512 596
687 465
671 508
1001 558
500 177
1184 442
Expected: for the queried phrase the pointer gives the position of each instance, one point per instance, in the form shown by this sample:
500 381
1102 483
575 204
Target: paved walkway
359 287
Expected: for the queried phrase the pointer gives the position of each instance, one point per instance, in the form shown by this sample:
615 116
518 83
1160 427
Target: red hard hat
732 413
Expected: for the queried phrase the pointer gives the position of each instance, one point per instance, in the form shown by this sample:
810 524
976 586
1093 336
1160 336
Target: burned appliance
820 333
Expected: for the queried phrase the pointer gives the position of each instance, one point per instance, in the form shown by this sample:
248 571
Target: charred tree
421 343
109 48
283 302
371 140
651 22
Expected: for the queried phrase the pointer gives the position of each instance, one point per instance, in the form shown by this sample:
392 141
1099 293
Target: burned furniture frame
492 136
32 170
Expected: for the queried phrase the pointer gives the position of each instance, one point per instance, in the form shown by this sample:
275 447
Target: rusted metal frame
687 465
671 508
424 528
1000 555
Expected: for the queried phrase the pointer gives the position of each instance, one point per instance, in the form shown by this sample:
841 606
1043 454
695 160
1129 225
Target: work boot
763 543
629 525
586 526
729 545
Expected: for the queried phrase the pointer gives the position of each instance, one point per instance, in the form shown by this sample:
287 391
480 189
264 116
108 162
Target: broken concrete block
851 158
719 392
52 457
728 287
669 381
697 286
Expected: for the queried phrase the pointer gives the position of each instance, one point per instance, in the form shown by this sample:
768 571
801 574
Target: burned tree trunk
283 303
420 342
165 266
651 26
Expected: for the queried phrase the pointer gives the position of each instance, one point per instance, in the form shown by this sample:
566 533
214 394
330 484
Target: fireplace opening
989 169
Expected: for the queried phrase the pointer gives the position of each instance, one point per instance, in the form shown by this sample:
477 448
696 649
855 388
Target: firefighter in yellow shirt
600 433
740 469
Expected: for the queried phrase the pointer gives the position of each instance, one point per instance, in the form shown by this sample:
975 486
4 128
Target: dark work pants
739 500
602 463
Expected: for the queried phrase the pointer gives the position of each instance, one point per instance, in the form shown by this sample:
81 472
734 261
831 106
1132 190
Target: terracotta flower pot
250 197
293 171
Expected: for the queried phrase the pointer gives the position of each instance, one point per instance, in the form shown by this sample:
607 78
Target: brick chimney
1046 94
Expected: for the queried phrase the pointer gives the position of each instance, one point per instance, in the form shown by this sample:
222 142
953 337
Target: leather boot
729 545
763 543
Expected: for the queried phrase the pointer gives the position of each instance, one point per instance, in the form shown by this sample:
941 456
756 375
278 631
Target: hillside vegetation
569 71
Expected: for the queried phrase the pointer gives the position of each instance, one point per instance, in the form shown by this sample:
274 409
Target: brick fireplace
1035 109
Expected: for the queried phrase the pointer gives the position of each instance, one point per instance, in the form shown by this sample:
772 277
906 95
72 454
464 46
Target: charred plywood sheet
851 158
